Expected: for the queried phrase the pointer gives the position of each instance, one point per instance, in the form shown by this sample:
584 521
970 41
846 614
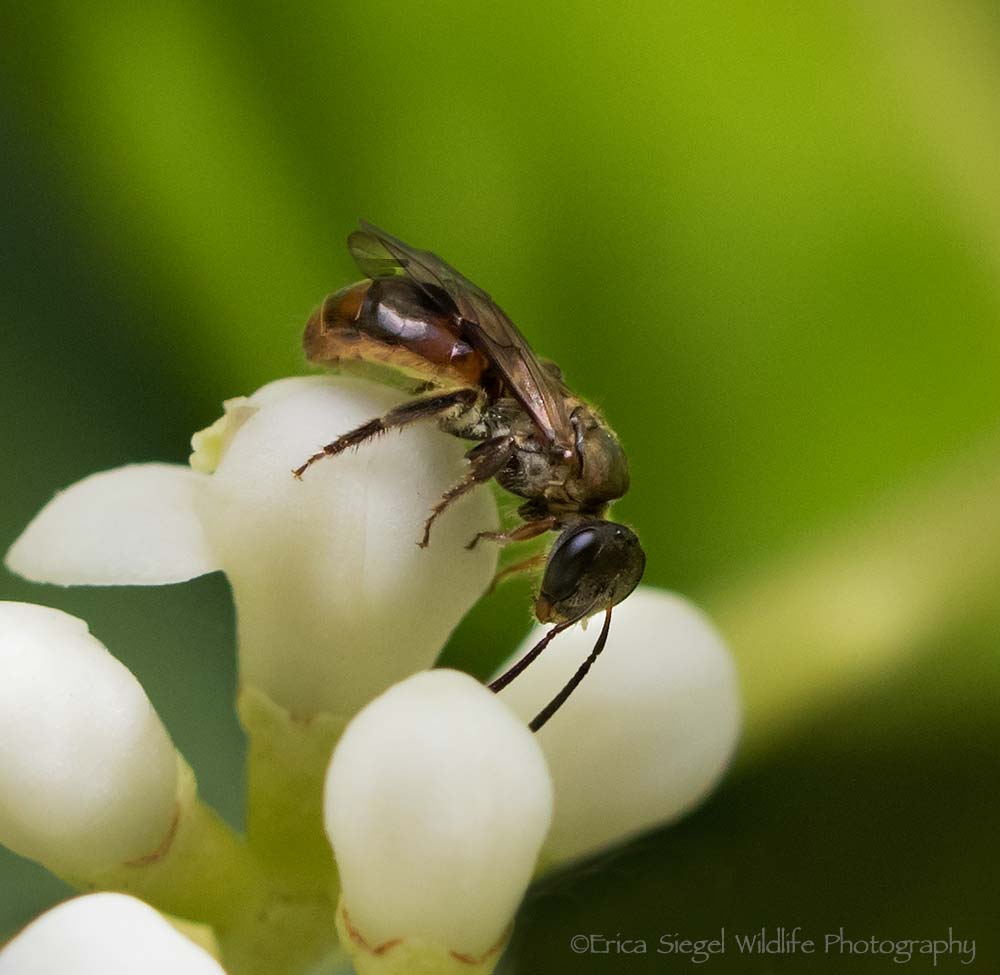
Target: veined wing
379 254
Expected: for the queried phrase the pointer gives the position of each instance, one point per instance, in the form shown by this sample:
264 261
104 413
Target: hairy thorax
579 483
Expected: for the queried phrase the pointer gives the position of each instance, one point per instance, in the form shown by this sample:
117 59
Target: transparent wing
379 254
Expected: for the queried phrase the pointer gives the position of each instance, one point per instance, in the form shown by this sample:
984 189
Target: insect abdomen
388 322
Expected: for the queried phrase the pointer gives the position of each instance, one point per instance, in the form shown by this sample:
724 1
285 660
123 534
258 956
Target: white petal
647 734
104 934
88 774
335 600
437 801
133 526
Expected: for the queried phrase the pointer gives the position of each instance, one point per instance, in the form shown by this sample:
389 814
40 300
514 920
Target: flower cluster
396 814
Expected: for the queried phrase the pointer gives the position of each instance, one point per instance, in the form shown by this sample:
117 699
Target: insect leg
525 566
530 529
422 408
485 460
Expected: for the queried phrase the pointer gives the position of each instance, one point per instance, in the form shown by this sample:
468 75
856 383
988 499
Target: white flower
335 601
88 775
437 802
648 733
104 934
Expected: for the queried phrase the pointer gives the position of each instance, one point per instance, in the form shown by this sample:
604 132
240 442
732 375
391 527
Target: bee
475 374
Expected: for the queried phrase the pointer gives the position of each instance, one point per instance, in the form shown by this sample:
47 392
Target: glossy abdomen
391 322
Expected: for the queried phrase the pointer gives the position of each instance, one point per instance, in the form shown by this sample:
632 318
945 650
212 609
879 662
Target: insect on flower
472 370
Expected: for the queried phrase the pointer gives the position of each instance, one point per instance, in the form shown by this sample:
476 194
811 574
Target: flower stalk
287 758
286 764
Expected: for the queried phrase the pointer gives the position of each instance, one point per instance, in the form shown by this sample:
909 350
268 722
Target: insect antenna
558 701
508 675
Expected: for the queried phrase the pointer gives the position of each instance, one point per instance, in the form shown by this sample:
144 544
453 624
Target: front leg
527 565
530 529
422 408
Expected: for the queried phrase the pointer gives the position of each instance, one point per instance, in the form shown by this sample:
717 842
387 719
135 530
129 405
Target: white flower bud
88 775
335 600
437 802
646 735
104 934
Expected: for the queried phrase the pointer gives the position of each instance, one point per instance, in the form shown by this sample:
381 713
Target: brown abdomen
391 322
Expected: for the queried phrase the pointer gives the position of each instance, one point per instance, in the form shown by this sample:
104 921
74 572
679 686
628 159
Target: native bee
481 381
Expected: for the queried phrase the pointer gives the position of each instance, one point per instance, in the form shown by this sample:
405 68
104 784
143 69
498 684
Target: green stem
287 765
293 929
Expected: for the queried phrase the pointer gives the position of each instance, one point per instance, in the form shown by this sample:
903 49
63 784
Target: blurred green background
764 238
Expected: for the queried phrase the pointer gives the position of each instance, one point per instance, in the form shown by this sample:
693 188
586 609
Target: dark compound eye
591 566
569 562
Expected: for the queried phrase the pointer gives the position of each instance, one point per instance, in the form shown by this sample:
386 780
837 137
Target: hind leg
423 408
